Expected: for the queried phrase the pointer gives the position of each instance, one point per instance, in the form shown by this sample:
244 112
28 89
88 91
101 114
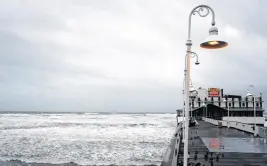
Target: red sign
214 92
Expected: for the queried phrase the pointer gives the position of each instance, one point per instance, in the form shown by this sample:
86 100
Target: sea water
85 139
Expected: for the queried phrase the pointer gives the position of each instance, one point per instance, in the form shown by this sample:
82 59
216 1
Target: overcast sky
118 55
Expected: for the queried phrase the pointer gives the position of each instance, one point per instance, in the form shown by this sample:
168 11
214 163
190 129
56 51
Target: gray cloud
87 55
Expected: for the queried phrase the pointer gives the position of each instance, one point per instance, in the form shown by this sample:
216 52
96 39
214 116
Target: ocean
84 138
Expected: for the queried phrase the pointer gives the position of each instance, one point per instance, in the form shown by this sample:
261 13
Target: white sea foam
91 139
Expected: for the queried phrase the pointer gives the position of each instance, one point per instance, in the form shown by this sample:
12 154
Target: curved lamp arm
202 11
192 55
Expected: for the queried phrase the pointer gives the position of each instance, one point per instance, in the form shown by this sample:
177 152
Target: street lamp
192 90
193 55
210 43
206 109
226 104
254 107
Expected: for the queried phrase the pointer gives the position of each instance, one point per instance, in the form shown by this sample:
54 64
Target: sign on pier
214 92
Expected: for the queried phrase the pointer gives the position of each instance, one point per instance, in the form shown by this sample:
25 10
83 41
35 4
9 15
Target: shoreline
22 163
96 113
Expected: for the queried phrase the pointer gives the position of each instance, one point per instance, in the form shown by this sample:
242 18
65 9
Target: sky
124 56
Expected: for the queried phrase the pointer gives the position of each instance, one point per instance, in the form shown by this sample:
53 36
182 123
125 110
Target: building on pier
213 103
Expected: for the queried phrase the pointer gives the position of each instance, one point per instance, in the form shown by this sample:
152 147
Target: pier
229 131
220 145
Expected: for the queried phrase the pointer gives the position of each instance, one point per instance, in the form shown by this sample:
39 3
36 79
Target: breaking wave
62 124
22 163
84 139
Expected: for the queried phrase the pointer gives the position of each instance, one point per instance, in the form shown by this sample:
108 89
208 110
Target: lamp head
192 89
248 94
197 62
213 41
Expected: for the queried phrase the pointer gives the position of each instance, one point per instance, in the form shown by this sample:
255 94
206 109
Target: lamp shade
192 89
213 41
249 94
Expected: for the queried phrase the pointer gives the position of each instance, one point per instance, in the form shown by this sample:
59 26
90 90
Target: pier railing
171 155
263 132
260 131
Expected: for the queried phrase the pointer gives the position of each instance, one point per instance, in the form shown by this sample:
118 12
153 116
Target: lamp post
193 55
254 106
226 104
191 90
204 105
211 43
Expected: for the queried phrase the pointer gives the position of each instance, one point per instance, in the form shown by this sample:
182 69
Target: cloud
87 55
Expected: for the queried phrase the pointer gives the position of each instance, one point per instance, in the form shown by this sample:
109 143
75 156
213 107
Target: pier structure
224 133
